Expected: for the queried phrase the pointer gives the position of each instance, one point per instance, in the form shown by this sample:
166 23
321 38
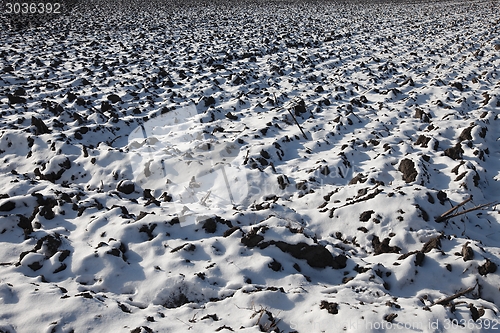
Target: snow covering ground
155 177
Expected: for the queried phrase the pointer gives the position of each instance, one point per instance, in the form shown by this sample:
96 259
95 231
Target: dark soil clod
467 252
454 152
40 127
275 266
390 317
365 216
126 187
210 226
433 243
331 307
419 258
383 247
7 206
487 267
407 167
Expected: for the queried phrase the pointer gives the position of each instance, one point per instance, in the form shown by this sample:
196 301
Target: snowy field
251 166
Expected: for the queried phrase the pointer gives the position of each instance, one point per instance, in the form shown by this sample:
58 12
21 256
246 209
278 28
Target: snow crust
155 177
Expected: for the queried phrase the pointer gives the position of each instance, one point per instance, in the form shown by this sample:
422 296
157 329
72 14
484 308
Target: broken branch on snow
448 214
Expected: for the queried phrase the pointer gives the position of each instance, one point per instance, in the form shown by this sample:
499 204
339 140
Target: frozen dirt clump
126 186
407 168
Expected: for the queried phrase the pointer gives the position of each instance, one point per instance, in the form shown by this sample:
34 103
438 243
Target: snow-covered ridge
351 126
